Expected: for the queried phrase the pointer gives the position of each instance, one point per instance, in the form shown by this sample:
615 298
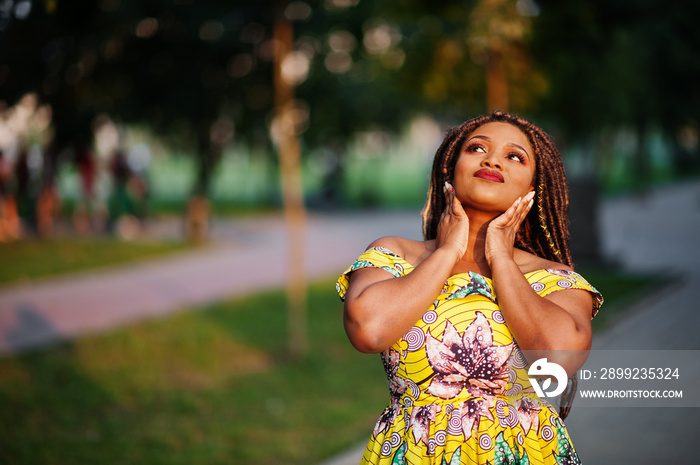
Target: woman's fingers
517 212
506 218
525 206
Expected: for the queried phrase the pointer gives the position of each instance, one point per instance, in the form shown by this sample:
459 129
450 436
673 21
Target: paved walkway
655 233
659 232
244 256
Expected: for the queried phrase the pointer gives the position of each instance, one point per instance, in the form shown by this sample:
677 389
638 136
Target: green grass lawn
211 386
31 259
619 290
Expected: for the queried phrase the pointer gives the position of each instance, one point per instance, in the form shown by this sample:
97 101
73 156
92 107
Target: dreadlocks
545 230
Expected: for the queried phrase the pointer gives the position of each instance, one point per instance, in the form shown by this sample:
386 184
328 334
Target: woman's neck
474 259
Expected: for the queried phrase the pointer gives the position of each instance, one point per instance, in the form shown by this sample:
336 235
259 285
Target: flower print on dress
366 264
562 272
470 414
385 421
528 414
397 384
505 455
477 285
397 388
421 420
565 455
384 250
570 276
470 361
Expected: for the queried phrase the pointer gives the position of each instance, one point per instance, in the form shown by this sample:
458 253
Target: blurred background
235 147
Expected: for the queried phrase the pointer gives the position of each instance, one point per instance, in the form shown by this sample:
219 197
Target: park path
244 256
655 233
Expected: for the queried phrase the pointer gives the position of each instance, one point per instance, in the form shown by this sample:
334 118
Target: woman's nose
491 160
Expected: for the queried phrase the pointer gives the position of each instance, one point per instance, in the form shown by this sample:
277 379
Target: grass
213 386
619 289
31 259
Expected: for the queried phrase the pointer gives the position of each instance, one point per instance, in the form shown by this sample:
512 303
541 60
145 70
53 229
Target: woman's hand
501 232
453 229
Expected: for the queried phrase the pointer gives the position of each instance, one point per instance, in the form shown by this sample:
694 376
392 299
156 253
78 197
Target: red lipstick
489 175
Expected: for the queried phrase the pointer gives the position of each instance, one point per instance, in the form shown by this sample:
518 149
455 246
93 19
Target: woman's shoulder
529 262
410 250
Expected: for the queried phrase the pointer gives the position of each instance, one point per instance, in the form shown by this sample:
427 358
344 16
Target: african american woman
459 317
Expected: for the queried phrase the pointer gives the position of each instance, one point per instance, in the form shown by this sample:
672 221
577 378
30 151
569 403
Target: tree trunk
292 193
496 82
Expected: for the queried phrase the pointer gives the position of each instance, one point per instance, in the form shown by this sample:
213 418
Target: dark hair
545 230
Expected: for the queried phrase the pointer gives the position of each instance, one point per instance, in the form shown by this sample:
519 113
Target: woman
453 315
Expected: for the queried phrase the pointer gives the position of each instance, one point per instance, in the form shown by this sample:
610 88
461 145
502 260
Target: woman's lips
489 175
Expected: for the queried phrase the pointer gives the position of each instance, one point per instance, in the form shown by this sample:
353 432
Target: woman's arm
380 308
556 326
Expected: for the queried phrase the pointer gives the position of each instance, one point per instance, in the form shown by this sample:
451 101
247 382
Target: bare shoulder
408 249
529 262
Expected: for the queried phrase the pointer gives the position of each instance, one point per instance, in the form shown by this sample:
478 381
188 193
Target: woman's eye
476 148
515 156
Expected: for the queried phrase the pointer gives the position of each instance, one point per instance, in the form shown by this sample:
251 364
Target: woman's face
496 165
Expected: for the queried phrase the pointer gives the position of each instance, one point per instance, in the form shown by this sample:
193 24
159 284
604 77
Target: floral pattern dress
458 383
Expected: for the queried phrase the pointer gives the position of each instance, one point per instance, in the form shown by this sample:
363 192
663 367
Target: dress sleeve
375 257
545 282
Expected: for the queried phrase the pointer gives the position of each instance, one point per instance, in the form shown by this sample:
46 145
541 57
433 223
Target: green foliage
32 259
578 68
614 64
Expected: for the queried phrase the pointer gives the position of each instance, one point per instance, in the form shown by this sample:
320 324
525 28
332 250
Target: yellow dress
458 383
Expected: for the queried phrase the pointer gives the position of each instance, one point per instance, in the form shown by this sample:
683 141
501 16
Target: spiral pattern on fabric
485 441
455 424
518 359
537 287
515 390
501 407
395 439
498 317
430 317
415 339
547 433
512 375
441 437
415 390
564 283
386 448
512 418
